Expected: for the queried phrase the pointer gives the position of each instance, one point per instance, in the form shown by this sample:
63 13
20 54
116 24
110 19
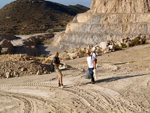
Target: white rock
103 45
7 74
39 72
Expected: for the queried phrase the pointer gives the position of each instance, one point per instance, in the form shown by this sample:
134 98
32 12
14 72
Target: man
91 63
56 63
94 54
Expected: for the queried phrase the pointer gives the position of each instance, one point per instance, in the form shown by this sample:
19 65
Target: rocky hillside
31 16
108 20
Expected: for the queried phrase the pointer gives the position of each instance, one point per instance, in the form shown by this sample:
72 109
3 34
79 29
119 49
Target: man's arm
94 63
55 64
87 66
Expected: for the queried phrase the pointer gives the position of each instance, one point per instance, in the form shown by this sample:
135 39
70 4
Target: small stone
22 69
7 74
15 74
39 72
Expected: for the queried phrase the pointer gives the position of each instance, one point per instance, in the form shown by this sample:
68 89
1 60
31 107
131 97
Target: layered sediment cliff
106 20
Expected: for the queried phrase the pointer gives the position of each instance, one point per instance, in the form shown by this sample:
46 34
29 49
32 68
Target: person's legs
91 74
59 84
61 80
59 73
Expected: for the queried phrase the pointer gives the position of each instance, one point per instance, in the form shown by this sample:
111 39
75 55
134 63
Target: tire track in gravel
102 102
9 104
90 99
29 101
84 102
26 107
94 101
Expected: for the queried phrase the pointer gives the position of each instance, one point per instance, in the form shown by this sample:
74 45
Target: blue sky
65 2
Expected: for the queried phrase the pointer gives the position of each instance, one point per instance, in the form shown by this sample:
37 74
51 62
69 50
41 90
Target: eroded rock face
108 20
120 6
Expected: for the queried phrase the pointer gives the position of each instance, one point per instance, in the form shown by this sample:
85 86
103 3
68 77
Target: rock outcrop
108 20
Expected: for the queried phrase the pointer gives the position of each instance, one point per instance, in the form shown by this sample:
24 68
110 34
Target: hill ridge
32 16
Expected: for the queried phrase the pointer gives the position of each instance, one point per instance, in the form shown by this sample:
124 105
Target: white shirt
94 55
90 61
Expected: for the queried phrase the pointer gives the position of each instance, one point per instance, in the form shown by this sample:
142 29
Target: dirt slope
123 86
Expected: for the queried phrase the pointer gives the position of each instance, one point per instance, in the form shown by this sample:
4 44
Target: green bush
136 41
49 30
124 45
43 55
98 51
118 47
143 40
26 33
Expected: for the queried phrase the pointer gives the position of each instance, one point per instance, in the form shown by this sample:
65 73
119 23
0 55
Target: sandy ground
123 86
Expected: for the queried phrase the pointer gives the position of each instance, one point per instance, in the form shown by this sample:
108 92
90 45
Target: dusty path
19 40
123 86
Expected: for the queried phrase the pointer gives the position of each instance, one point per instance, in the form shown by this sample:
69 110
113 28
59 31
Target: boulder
39 72
73 55
111 48
118 43
64 56
7 74
4 50
22 69
83 49
15 74
7 44
106 50
103 45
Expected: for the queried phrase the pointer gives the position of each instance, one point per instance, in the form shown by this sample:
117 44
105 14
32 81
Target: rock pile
5 44
35 40
103 47
21 65
8 44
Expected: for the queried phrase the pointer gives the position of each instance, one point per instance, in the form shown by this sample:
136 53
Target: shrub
118 47
80 51
124 45
43 55
49 30
136 41
26 33
98 51
143 40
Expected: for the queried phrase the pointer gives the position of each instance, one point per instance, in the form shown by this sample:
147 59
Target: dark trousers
91 74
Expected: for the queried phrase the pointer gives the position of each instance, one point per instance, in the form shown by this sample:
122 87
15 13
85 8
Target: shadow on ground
119 78
113 79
